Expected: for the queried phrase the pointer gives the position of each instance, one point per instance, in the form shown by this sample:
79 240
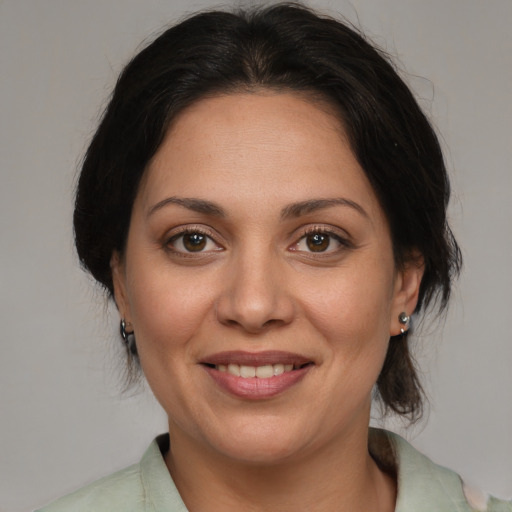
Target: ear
117 268
407 288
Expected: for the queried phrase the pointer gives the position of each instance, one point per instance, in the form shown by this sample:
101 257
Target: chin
267 444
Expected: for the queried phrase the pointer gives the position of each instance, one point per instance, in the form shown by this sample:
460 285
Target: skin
256 285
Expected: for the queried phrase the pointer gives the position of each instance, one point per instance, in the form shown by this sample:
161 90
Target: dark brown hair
282 47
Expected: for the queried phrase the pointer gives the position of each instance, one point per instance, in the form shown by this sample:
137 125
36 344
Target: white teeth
262 372
278 369
234 369
247 371
265 372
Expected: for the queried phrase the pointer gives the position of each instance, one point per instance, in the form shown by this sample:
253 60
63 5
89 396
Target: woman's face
259 279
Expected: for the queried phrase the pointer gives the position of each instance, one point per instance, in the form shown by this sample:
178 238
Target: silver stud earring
404 319
128 337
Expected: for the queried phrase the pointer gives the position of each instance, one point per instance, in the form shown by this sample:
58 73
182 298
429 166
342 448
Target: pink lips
255 388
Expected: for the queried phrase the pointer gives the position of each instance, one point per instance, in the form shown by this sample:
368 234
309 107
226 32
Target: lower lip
253 388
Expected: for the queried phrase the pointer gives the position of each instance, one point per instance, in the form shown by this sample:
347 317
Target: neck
339 477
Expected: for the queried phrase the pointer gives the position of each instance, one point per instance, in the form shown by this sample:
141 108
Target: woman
266 203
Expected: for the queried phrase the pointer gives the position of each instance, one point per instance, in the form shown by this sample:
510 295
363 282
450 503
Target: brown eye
194 242
318 242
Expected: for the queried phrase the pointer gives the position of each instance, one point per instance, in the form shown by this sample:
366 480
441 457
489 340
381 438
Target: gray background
63 418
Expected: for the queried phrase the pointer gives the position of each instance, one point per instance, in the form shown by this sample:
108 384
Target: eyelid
189 228
324 229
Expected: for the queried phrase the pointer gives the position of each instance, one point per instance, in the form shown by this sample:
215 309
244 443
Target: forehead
252 147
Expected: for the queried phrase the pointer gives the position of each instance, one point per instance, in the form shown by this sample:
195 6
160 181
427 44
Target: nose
255 295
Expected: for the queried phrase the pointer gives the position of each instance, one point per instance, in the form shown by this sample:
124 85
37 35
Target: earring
404 319
128 337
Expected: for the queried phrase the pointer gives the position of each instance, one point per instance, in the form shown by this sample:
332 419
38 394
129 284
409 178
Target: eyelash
343 242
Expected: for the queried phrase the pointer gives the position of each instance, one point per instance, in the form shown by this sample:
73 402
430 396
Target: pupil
194 242
318 242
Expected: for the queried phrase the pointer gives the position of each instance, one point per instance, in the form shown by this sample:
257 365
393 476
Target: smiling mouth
266 371
256 376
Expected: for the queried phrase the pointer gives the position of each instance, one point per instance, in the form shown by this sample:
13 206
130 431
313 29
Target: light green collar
422 485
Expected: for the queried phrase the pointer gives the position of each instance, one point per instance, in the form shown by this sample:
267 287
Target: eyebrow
289 211
313 205
197 205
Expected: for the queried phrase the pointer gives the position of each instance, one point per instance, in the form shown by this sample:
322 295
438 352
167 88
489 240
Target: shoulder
120 491
496 505
146 486
424 486
483 502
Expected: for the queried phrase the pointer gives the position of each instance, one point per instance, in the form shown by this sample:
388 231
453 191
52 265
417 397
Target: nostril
252 325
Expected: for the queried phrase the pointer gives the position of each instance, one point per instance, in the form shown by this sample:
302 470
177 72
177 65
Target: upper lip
241 357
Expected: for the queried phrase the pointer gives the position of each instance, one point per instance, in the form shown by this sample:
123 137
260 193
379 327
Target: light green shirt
148 487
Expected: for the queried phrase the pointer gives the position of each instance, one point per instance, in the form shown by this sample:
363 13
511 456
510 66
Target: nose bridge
254 296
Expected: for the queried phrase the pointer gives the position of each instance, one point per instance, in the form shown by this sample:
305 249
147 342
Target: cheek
169 313
352 306
167 308
352 314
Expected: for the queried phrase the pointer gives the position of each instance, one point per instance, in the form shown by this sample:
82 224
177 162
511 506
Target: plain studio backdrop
63 417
